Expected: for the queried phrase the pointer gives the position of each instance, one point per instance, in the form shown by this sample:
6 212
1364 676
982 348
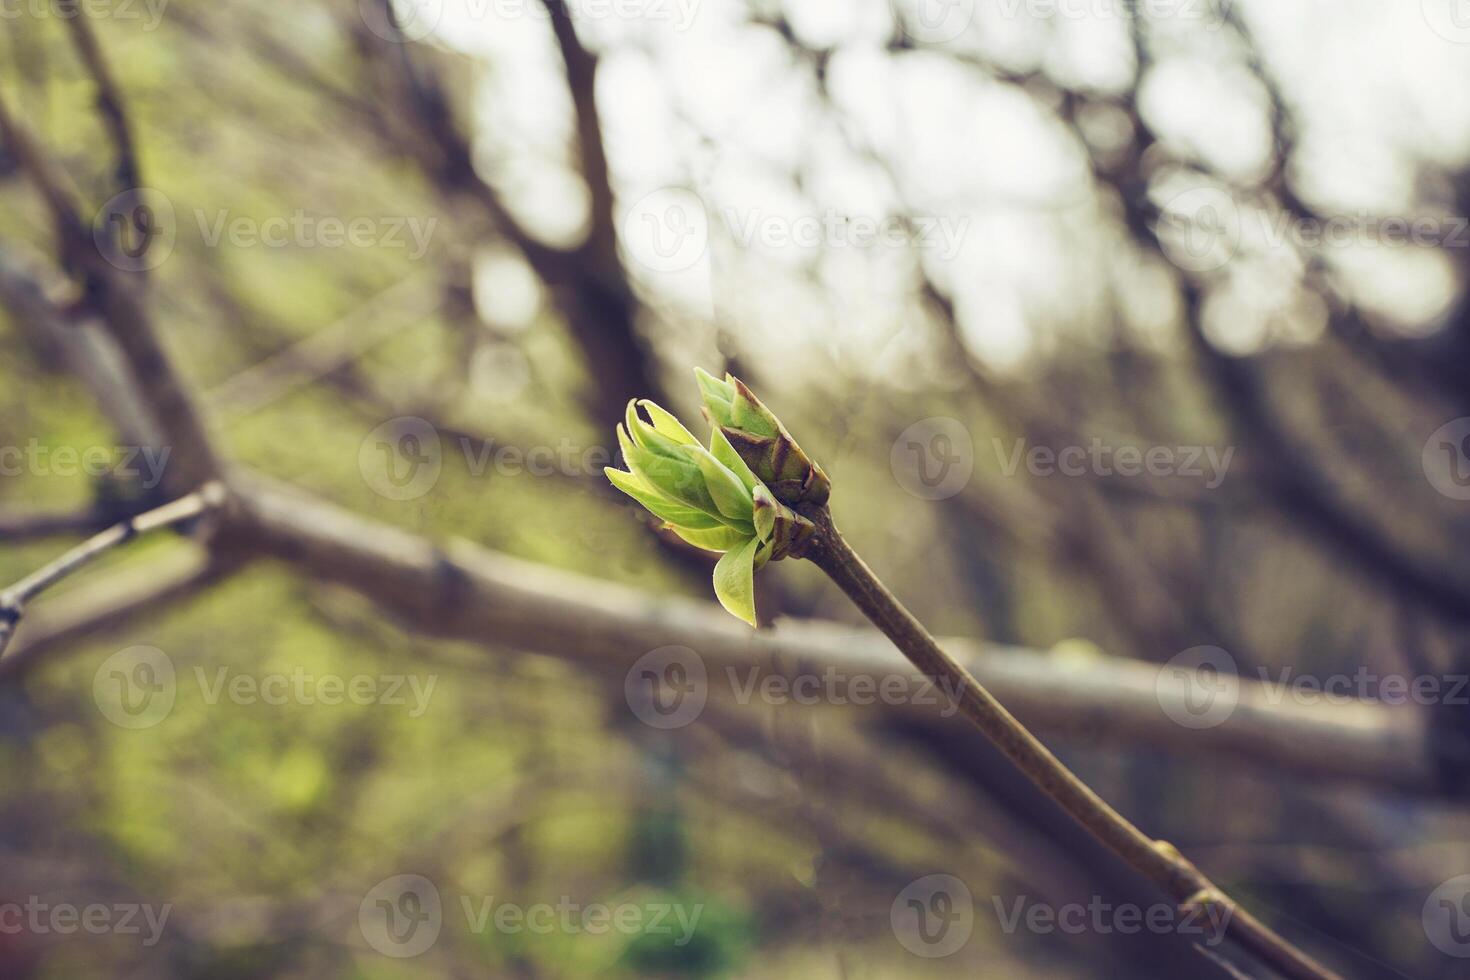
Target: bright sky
745 201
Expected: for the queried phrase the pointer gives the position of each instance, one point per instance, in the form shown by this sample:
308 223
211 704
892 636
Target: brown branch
18 527
1159 861
108 604
14 599
461 591
128 173
120 305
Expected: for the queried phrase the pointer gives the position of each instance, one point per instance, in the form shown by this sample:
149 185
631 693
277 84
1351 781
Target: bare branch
14 599
128 173
465 592
121 307
110 603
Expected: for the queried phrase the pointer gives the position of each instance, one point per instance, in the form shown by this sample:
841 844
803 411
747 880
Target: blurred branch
587 283
121 307
128 173
465 592
1156 860
110 603
18 527
14 599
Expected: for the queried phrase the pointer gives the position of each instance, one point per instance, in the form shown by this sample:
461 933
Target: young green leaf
717 539
721 449
659 506
729 494
717 396
735 581
665 423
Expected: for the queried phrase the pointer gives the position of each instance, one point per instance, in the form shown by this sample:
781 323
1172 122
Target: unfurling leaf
735 581
735 497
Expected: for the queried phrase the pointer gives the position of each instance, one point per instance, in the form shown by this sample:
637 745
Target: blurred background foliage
1056 144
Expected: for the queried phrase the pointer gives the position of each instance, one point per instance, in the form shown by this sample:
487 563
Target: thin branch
14 599
111 602
462 591
128 173
18 527
1159 861
121 307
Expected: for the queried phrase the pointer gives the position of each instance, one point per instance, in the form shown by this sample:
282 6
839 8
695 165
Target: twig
1160 861
13 600
109 103
17 527
113 601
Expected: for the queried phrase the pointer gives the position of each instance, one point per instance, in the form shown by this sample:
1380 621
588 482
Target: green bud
735 497
759 438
